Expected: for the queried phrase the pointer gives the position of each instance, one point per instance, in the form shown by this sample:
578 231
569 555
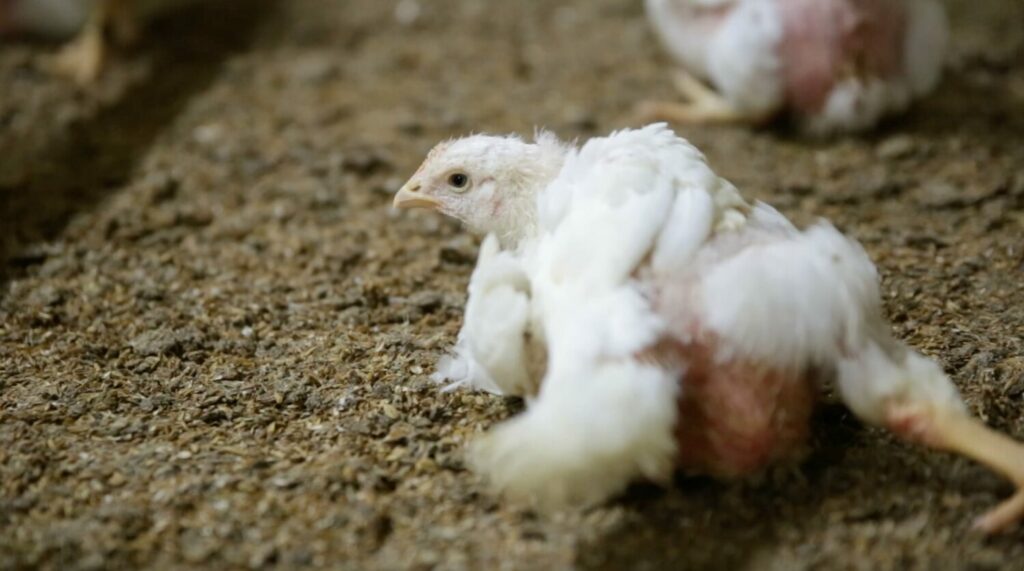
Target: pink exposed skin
737 417
826 41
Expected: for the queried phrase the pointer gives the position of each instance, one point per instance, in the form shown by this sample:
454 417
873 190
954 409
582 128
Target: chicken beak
410 197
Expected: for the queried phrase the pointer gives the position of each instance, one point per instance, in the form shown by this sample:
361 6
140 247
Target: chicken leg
82 59
888 384
954 431
702 105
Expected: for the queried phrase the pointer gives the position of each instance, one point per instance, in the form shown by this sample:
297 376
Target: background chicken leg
702 105
82 59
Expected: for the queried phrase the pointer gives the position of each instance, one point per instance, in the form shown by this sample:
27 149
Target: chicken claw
82 59
955 431
702 105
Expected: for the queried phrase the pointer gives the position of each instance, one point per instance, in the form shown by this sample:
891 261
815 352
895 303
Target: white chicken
835 65
682 326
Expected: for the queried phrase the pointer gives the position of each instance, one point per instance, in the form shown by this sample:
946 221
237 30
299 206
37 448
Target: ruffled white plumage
598 406
668 322
604 415
638 241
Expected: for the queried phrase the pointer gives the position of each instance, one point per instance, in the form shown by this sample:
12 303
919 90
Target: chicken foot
955 431
83 57
702 105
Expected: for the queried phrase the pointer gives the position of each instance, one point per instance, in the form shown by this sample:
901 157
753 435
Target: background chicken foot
83 57
702 105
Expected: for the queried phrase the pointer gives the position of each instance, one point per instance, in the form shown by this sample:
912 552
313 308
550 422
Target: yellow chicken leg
82 58
702 105
955 431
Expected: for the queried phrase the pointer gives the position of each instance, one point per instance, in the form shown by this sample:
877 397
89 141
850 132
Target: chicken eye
458 180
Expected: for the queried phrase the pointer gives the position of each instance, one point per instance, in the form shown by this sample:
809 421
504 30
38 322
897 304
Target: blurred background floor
215 333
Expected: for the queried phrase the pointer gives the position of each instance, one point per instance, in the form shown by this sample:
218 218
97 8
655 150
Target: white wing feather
581 443
792 301
492 348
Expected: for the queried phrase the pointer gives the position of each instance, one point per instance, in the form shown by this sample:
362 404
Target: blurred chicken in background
47 18
92 23
835 65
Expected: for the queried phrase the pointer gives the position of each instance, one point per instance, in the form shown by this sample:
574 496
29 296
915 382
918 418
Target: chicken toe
81 60
701 105
955 431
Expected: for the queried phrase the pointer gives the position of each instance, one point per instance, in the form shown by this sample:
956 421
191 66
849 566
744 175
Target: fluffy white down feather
583 441
817 285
